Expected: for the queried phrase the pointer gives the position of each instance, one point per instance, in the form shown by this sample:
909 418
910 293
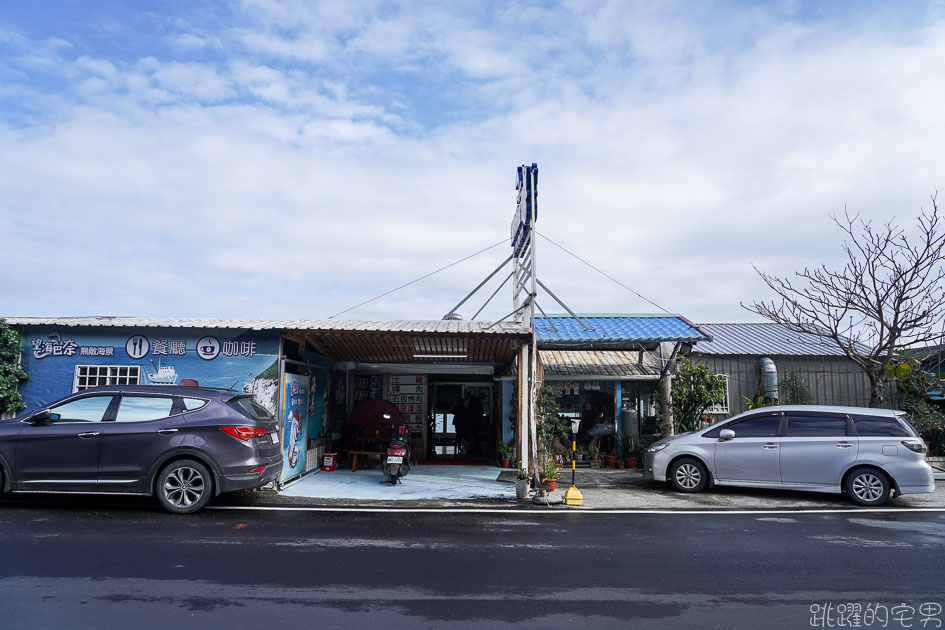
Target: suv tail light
916 446
245 433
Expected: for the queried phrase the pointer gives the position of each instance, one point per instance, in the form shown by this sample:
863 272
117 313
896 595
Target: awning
418 342
615 332
562 365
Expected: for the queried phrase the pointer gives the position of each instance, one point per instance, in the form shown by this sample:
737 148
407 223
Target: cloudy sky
293 159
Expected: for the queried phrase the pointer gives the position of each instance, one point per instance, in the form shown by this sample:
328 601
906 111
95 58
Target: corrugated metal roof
590 363
763 338
615 329
334 325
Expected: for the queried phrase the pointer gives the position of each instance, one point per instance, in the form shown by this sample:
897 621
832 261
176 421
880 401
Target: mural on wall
62 360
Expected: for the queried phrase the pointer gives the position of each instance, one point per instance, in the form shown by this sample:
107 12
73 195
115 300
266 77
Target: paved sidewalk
621 489
603 489
421 483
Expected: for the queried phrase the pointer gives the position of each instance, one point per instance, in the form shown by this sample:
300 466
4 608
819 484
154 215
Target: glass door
462 419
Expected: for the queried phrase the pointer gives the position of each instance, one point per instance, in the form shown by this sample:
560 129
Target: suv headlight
656 448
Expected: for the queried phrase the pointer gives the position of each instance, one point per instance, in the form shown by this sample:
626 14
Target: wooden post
666 390
523 406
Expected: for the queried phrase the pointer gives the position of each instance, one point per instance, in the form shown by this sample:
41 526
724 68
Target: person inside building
475 422
460 412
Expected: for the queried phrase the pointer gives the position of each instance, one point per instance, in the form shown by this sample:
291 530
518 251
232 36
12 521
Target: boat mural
162 374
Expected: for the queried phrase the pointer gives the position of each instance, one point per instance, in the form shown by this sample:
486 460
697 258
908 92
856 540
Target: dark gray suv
183 444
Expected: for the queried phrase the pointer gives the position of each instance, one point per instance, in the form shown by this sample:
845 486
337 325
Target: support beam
494 293
666 390
563 305
532 403
550 323
318 348
523 407
669 362
481 284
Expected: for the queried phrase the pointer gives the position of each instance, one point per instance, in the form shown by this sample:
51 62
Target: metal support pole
494 293
523 421
481 284
516 271
573 496
573 464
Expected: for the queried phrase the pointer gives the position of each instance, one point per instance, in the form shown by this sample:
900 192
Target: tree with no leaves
888 296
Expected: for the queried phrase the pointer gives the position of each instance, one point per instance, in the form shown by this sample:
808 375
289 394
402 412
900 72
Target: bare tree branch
889 294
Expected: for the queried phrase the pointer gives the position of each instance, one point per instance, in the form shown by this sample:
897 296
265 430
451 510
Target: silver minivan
866 453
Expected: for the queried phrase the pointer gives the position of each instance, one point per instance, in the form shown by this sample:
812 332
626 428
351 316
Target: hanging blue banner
295 425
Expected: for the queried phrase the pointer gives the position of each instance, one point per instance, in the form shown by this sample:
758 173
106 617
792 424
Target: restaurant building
312 374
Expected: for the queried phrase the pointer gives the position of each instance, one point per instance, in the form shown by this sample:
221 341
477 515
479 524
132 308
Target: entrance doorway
462 421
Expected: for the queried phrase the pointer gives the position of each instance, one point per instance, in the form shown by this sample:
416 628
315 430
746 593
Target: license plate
274 437
395 460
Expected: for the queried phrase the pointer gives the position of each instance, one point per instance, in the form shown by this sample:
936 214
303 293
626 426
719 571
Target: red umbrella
368 418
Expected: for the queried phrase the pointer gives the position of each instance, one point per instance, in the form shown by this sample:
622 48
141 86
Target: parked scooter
397 462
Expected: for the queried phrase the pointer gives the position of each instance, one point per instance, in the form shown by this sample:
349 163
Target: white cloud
193 41
191 80
295 169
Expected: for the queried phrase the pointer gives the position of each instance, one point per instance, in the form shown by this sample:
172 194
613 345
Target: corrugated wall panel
832 380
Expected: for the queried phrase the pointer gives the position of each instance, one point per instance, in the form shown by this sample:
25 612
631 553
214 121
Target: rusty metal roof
590 364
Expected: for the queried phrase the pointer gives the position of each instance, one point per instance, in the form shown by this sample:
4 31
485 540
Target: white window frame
721 409
96 375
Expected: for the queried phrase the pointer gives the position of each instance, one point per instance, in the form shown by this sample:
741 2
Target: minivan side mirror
726 434
41 416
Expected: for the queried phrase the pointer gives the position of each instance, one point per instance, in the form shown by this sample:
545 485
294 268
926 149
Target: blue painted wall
239 359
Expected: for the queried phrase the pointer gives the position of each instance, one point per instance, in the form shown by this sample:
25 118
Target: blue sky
292 159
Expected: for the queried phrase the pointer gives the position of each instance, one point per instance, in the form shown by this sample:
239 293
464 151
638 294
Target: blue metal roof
610 330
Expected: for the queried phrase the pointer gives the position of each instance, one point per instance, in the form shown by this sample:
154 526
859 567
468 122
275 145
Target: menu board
368 387
409 394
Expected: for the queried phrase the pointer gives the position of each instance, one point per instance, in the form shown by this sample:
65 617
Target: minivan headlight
657 447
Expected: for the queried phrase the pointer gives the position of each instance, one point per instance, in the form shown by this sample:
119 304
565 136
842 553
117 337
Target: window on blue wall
94 375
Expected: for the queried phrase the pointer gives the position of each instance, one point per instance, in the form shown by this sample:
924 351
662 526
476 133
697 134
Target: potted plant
549 475
593 451
610 459
578 454
630 446
505 453
521 483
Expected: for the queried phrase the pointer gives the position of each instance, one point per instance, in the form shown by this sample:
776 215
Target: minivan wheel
689 475
184 486
867 486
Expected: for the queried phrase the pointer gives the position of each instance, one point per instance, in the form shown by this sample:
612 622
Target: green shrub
10 371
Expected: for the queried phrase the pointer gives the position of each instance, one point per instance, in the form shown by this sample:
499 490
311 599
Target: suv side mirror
726 434
41 416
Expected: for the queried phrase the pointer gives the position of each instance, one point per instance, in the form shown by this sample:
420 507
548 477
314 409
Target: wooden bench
354 457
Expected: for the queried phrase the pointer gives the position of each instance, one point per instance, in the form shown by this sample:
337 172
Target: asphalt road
124 564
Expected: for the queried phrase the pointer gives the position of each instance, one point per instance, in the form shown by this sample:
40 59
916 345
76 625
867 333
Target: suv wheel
184 486
689 475
867 486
